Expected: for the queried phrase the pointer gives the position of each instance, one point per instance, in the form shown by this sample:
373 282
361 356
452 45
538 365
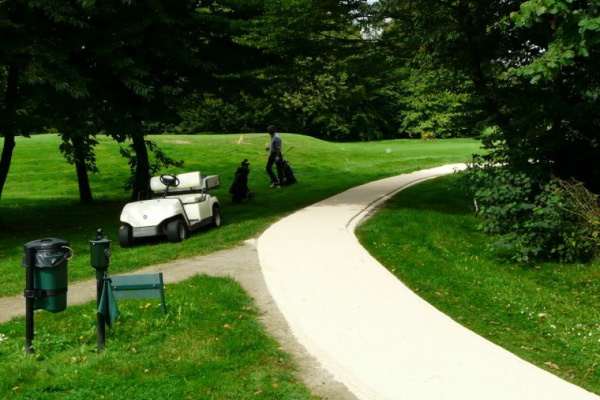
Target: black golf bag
239 188
288 173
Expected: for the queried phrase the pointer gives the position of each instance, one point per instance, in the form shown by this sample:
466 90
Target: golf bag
288 173
239 188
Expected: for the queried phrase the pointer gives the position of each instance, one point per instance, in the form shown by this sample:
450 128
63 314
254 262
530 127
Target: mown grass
208 346
544 312
40 198
211 344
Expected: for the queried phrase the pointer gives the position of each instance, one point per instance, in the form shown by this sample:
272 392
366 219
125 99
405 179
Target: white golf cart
181 204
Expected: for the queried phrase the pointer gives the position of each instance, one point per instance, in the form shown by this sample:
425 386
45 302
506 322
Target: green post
100 252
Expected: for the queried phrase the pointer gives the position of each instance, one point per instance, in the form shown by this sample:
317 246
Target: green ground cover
544 312
41 198
211 344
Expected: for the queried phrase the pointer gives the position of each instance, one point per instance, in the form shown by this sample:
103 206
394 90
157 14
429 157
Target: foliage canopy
522 75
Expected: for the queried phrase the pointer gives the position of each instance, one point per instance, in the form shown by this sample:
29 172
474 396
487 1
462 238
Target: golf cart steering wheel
169 180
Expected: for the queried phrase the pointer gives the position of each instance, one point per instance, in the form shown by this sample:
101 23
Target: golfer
275 157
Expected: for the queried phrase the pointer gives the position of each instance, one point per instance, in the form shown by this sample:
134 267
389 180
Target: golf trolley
239 188
181 205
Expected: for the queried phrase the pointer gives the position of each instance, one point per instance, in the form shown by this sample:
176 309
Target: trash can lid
48 252
46 244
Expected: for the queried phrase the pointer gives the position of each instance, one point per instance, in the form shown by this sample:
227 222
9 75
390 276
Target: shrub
534 217
580 231
426 135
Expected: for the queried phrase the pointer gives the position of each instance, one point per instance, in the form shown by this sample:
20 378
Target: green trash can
50 259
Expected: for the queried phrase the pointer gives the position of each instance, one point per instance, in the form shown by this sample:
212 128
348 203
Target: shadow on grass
24 222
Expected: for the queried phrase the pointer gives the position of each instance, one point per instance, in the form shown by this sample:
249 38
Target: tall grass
545 312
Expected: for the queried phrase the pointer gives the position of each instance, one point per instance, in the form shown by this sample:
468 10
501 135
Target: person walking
275 157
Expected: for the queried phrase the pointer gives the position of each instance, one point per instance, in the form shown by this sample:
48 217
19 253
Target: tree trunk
7 151
10 100
85 192
142 167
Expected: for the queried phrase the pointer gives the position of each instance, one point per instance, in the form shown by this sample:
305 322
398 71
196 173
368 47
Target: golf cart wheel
216 216
126 236
176 231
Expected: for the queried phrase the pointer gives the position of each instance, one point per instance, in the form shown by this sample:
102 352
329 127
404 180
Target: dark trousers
278 165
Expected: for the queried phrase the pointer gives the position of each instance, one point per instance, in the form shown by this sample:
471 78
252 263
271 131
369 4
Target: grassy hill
40 198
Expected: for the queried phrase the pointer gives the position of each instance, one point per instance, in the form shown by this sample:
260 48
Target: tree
134 67
227 94
150 72
114 66
532 68
562 71
317 85
32 66
78 131
7 127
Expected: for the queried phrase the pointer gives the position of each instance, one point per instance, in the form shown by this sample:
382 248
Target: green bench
139 287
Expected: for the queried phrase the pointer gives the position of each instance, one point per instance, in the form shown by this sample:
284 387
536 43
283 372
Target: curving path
368 329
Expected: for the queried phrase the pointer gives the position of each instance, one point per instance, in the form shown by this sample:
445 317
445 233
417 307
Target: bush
580 229
536 218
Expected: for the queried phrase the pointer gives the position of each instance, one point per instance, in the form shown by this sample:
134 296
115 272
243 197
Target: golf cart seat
189 183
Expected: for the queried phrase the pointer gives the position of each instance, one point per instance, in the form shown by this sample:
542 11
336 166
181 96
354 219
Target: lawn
211 344
544 312
40 198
